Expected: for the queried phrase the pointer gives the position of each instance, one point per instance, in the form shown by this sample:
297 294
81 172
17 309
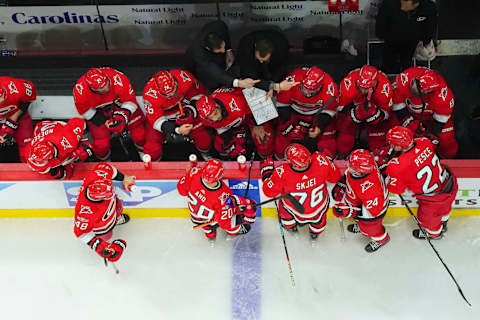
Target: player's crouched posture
99 210
364 197
304 178
419 169
56 146
210 199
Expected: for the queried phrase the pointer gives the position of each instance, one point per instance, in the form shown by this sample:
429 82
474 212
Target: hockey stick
290 270
249 174
113 265
287 196
342 229
434 249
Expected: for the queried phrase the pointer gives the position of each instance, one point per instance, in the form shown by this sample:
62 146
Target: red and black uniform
97 108
436 117
309 187
68 142
299 113
352 102
18 95
434 186
163 112
95 219
210 204
232 130
369 195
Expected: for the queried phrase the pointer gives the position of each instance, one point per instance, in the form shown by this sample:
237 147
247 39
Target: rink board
24 194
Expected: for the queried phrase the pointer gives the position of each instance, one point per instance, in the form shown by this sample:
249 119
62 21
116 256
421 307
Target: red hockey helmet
427 81
298 155
399 136
212 171
367 77
361 162
41 153
101 189
313 79
165 83
96 79
206 107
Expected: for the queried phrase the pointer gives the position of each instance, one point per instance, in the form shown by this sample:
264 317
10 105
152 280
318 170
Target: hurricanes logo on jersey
322 161
366 185
348 83
443 94
233 106
65 143
117 80
223 197
386 89
185 76
101 173
152 93
331 90
403 78
79 88
12 88
85 209
279 171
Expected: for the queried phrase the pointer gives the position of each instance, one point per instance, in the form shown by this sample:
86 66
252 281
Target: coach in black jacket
263 55
210 56
403 24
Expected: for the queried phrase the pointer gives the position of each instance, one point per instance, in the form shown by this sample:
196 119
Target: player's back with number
419 170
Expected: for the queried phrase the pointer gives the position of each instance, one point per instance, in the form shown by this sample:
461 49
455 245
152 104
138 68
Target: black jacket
273 70
396 26
209 67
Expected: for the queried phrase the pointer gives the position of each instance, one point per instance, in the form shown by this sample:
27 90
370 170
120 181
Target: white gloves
425 53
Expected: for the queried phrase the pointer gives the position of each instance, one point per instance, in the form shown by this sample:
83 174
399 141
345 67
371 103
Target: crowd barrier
25 194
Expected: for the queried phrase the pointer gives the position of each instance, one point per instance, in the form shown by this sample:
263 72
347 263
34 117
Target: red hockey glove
433 138
111 251
236 146
187 118
342 210
83 151
266 168
119 121
338 191
367 113
247 208
8 129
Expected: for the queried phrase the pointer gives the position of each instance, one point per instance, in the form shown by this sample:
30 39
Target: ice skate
353 228
417 233
124 218
373 245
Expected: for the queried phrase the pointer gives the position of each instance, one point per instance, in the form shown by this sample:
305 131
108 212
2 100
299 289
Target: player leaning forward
99 210
210 199
362 195
305 177
419 169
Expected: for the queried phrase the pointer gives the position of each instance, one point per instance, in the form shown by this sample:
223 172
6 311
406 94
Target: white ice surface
170 272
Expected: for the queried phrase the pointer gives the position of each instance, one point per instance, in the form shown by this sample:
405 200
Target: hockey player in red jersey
169 98
435 119
99 210
363 196
365 102
227 111
57 145
419 169
16 95
305 178
105 98
307 111
210 199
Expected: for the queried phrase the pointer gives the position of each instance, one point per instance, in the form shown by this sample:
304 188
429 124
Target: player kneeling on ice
361 194
305 178
99 210
211 200
56 146
419 169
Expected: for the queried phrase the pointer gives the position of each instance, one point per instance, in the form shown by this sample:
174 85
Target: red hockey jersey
439 103
309 106
308 187
18 90
95 218
205 203
369 192
349 93
419 170
120 91
237 110
160 108
64 136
